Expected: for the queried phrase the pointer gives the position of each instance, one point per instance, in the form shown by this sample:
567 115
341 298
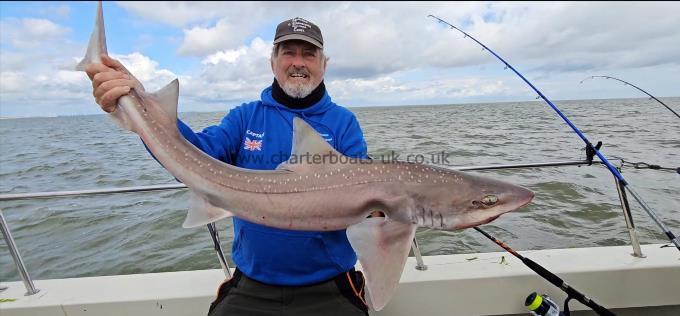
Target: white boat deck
452 285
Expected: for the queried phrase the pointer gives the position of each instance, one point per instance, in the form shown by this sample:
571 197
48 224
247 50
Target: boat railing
420 265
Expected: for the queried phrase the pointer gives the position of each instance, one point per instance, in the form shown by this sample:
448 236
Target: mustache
298 71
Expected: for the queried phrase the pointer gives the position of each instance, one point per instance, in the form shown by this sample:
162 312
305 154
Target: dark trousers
343 295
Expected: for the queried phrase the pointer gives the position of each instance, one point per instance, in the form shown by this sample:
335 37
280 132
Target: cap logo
299 25
298 29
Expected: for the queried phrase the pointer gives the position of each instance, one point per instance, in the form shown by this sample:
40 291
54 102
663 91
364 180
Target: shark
327 193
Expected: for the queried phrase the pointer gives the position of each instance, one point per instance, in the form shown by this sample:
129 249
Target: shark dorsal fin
308 147
167 98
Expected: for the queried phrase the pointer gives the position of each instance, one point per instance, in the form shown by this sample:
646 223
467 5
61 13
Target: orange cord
363 283
358 294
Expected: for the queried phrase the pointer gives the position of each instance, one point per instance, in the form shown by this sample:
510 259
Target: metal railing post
420 265
634 241
30 288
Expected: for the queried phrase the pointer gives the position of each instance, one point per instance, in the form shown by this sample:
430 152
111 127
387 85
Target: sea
141 232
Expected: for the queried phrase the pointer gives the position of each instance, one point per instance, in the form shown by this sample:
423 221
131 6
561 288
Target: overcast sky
381 53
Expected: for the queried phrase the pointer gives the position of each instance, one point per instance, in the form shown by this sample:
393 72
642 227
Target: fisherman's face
298 67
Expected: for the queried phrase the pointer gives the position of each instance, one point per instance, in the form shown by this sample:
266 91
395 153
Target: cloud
175 13
369 40
381 85
59 12
12 82
30 32
51 10
146 70
232 76
10 61
381 53
49 94
34 79
246 61
62 11
583 35
199 41
208 27
20 84
385 90
57 91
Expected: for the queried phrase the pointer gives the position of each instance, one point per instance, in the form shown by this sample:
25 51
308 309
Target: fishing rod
636 87
218 249
552 278
589 146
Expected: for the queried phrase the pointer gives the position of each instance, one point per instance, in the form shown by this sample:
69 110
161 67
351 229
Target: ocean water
141 232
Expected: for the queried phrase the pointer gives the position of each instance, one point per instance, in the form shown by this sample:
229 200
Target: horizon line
355 107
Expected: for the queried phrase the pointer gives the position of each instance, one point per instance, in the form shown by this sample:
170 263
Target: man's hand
110 81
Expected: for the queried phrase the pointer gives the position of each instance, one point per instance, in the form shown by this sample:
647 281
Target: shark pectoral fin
382 246
201 212
167 98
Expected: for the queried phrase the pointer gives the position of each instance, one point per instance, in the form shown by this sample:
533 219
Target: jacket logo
252 145
251 133
327 138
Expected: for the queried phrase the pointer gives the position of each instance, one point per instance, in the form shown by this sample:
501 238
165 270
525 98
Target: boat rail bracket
18 261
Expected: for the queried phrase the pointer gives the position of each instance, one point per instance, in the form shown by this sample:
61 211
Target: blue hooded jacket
258 135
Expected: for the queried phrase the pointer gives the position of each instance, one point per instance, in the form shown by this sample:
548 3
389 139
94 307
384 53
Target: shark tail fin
97 45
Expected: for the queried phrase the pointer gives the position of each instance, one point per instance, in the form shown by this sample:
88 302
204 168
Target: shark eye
489 200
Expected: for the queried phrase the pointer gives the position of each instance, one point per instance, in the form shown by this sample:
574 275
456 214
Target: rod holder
420 265
634 241
18 261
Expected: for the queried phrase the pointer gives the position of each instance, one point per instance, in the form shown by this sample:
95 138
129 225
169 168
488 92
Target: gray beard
297 91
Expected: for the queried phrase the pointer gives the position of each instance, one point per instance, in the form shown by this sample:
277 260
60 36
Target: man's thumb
108 61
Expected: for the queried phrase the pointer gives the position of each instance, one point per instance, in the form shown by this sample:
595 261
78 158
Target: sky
381 54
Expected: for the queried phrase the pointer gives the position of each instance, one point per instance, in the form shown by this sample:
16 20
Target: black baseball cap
299 29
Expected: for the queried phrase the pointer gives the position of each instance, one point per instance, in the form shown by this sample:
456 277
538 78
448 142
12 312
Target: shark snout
491 206
526 196
517 198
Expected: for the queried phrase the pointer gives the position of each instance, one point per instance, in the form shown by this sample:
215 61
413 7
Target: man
278 271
